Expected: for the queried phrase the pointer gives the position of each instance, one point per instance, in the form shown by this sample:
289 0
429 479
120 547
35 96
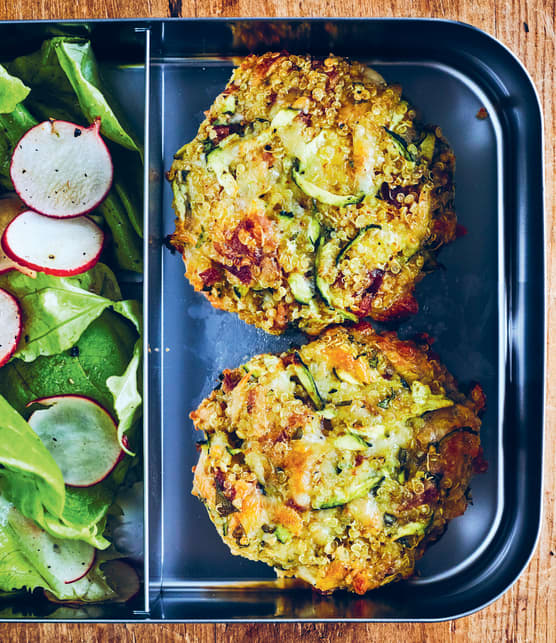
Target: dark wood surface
527 612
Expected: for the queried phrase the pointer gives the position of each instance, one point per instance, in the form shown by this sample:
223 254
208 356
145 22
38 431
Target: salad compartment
120 53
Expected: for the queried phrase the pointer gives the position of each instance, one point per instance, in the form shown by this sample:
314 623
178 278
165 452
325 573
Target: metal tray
486 311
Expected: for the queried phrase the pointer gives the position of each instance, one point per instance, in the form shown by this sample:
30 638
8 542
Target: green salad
70 399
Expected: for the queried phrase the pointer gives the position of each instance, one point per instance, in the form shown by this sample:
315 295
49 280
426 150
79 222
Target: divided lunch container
486 310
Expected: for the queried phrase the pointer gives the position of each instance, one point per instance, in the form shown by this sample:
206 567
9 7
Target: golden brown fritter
310 195
338 463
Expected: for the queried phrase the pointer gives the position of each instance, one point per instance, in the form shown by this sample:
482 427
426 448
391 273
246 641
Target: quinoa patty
310 196
339 462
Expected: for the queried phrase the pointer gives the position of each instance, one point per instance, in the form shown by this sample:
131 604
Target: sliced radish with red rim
120 577
60 247
61 169
67 560
10 325
80 435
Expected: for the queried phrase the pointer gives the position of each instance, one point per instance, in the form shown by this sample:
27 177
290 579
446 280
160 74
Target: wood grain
527 612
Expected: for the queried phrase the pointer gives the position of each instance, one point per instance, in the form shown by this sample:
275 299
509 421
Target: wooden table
527 612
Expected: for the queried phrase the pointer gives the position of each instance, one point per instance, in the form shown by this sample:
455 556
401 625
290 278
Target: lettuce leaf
16 571
28 464
124 388
25 566
87 506
103 350
57 310
64 78
125 224
61 527
127 399
79 63
12 91
12 128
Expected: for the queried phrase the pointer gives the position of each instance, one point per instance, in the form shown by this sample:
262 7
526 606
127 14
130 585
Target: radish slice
61 169
61 247
68 560
122 578
10 326
10 206
80 435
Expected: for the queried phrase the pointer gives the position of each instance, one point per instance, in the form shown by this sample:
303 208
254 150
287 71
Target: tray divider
152 331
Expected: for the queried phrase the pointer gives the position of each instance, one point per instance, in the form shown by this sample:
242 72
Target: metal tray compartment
486 312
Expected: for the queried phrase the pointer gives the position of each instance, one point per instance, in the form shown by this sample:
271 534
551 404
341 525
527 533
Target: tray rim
145 24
